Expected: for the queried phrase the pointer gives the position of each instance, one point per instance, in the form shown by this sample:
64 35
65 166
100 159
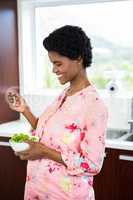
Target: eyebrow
56 61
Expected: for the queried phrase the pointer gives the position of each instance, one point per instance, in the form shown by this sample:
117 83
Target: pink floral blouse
74 126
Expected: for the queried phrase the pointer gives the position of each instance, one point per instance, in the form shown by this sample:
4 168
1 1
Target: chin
63 82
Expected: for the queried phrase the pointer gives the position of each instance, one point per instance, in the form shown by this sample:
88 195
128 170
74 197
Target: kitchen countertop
119 144
7 129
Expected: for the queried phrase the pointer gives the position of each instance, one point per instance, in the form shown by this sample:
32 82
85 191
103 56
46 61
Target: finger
18 97
29 142
24 153
16 153
23 157
13 107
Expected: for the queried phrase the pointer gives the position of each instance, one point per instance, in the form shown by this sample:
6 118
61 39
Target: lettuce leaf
20 137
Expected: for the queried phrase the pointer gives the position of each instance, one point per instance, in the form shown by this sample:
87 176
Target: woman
70 152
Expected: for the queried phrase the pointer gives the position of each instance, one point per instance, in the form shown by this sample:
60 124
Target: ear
79 60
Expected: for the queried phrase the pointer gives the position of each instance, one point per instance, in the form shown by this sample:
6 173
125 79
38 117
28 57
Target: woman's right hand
16 102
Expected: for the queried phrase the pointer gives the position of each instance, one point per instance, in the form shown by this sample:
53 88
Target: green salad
20 137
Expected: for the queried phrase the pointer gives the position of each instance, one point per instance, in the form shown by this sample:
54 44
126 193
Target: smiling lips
60 75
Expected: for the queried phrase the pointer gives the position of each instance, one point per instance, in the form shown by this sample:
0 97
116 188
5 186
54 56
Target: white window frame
27 56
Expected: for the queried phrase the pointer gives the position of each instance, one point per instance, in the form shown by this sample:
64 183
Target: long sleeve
89 159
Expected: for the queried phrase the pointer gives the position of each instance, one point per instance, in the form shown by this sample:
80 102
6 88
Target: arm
88 159
30 117
53 155
38 150
17 103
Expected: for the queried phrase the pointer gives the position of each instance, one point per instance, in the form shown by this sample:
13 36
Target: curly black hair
70 41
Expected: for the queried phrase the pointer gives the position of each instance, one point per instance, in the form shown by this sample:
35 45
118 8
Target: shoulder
91 96
94 102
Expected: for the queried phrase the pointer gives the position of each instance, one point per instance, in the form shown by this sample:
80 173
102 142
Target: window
108 24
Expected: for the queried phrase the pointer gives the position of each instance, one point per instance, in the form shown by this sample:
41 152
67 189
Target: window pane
109 25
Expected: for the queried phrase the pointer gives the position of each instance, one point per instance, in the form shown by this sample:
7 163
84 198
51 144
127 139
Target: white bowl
19 146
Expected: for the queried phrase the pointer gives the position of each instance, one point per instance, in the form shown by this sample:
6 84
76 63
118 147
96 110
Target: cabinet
12 175
115 180
9 71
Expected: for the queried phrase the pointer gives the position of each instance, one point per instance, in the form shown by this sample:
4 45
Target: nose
54 69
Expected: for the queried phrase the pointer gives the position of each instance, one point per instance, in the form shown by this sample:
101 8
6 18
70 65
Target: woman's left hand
36 151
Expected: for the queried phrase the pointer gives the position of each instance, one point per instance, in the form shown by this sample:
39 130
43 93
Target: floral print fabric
74 126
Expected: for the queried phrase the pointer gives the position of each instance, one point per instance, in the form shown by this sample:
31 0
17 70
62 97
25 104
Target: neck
79 83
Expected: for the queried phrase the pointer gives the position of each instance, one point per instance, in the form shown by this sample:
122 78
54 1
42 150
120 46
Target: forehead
56 57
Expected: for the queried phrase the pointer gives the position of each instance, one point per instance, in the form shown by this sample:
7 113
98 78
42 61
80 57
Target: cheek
70 73
73 71
70 70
